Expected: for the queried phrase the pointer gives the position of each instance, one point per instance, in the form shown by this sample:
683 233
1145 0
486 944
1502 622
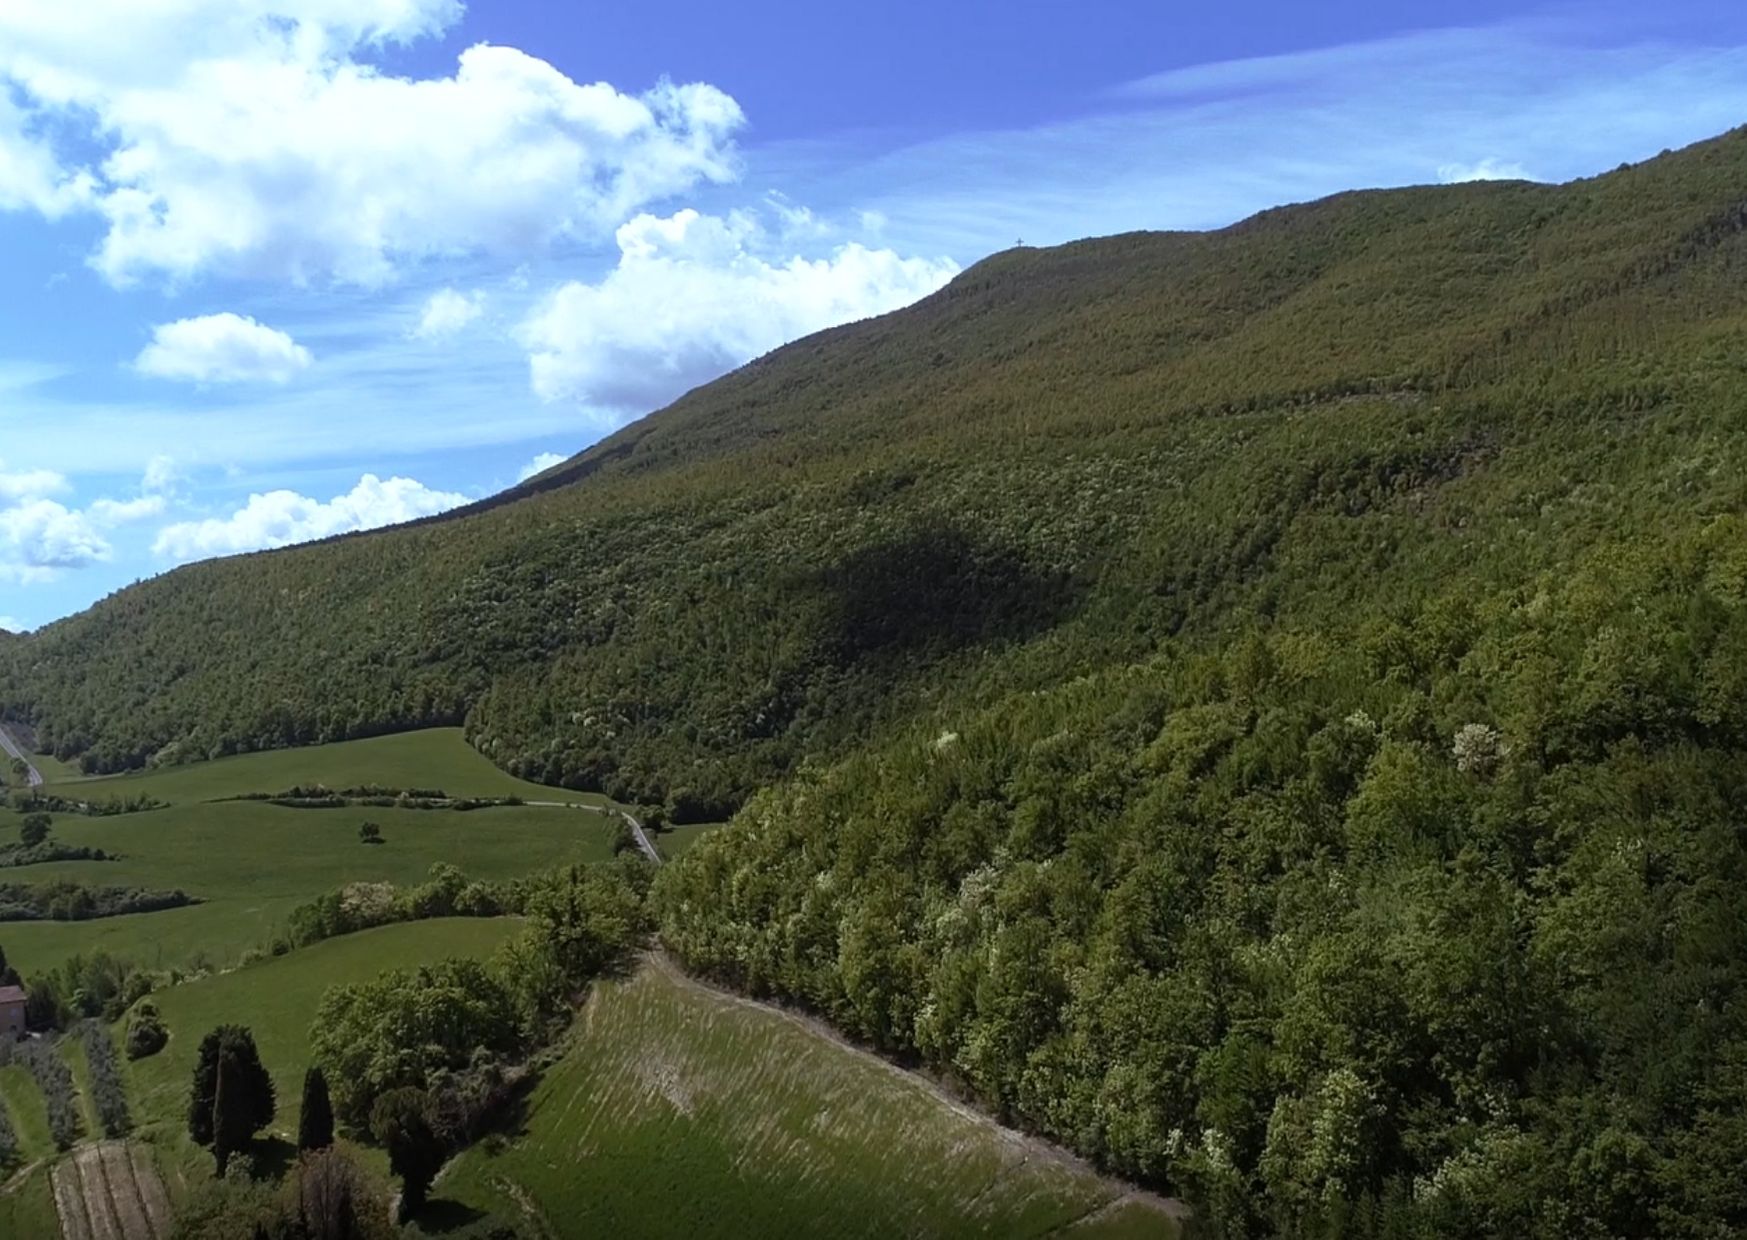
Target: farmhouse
12 1011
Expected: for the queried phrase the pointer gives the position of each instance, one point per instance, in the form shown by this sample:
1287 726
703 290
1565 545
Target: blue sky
274 269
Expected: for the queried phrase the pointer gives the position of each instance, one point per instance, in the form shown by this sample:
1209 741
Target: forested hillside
1061 462
1265 708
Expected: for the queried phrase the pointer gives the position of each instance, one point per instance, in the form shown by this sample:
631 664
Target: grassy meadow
678 1110
30 1120
675 842
250 863
432 758
27 1208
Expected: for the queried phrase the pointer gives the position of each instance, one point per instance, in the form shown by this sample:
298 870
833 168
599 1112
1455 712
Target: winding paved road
32 776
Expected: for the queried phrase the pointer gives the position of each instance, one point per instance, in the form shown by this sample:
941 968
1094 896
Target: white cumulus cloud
38 537
222 348
447 312
280 518
540 464
256 137
695 295
29 483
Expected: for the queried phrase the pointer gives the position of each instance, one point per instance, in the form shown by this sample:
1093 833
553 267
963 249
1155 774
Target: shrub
34 829
146 1034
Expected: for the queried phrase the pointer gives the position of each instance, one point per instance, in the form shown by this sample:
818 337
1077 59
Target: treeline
34 802
447 892
65 900
317 797
1426 925
14 854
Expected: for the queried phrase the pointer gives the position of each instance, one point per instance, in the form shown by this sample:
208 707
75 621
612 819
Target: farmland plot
110 1191
742 1120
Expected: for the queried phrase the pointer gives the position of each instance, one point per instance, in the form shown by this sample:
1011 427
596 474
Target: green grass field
54 771
432 758
277 999
250 863
677 1110
674 842
27 1208
30 1118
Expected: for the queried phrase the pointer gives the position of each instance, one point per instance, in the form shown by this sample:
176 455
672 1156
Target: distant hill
1062 461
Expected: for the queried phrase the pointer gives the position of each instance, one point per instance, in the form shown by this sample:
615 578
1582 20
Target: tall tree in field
231 1097
401 1121
315 1123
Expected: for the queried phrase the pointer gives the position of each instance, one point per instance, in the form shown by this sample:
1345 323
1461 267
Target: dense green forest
1267 708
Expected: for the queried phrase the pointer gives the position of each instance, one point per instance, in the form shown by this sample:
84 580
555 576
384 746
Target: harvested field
110 1191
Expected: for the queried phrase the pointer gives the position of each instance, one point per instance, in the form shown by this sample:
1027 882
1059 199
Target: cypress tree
201 1094
230 1131
231 1097
315 1124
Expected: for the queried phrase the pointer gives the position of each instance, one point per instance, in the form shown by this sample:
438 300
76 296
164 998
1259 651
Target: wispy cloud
1204 147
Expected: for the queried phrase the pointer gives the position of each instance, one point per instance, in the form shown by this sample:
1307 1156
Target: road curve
32 776
637 831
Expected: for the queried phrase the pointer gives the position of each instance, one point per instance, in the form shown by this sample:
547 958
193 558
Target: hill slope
1059 462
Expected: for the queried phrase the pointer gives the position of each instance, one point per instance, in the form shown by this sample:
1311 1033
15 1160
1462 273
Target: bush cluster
146 1034
65 900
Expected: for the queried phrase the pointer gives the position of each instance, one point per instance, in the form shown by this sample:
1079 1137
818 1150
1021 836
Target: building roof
12 994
